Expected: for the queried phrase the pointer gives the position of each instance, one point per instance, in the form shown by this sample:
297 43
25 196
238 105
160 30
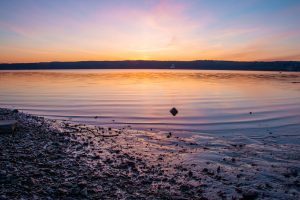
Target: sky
76 30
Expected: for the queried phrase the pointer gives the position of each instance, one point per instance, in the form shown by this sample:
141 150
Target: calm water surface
208 101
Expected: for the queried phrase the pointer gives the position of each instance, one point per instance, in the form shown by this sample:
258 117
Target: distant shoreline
293 66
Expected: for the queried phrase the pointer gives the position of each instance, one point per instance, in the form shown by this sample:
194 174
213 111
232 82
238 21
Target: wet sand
55 159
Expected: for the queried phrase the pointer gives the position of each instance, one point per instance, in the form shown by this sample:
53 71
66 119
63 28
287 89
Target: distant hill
141 64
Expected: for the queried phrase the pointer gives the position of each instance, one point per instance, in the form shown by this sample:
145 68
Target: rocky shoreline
51 159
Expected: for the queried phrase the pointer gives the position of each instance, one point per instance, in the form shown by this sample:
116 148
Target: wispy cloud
156 29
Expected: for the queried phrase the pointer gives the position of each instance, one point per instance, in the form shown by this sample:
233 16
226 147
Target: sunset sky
73 30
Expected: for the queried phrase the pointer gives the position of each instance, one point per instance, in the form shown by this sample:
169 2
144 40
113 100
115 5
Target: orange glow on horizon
147 30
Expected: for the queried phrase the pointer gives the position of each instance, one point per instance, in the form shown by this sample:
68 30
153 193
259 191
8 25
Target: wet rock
82 184
7 126
96 157
15 111
221 194
147 181
84 192
185 188
169 135
174 111
205 170
250 195
291 173
62 191
203 198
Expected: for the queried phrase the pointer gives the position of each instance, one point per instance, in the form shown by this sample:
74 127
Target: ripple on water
208 101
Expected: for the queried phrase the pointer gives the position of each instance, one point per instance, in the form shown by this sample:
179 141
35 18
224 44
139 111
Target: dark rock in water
169 135
250 113
174 111
96 117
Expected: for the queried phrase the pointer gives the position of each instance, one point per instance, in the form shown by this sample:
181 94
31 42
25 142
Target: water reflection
208 101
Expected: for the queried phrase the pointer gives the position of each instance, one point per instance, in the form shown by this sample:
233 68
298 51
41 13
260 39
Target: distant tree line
141 64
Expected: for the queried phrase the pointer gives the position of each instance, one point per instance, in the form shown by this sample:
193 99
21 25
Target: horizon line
12 63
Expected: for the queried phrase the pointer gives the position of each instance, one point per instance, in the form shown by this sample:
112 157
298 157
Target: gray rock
7 126
250 195
84 192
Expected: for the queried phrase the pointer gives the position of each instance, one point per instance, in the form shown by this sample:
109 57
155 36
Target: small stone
15 111
221 194
169 135
174 111
96 157
62 191
82 184
84 192
184 188
250 195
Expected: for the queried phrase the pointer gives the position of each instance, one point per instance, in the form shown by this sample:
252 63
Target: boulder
7 126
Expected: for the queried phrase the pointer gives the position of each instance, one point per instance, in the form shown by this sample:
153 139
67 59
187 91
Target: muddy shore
52 159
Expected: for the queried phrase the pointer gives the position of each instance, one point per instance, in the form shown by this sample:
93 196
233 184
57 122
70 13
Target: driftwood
7 126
